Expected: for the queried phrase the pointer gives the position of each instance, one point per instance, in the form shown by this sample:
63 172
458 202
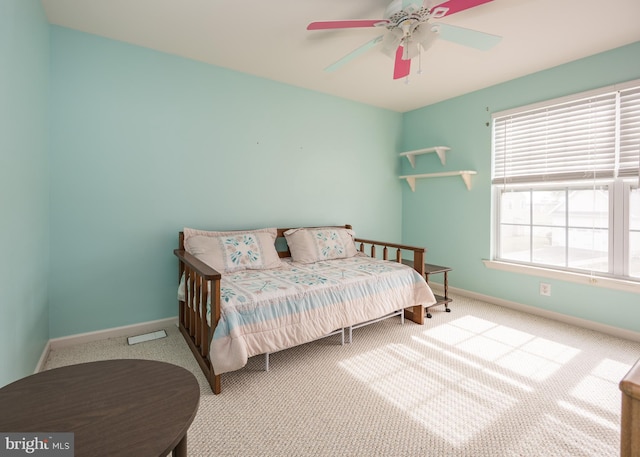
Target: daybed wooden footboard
415 314
201 281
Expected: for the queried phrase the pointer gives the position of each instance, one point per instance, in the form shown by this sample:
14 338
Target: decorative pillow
234 251
308 245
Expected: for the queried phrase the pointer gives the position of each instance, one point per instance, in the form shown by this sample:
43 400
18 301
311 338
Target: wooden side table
114 407
430 269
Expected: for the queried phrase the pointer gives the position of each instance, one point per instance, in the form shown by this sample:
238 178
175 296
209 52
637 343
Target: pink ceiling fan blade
402 67
327 25
455 6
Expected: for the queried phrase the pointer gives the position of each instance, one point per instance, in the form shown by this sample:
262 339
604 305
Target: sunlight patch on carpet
599 388
598 419
442 399
519 352
553 436
475 365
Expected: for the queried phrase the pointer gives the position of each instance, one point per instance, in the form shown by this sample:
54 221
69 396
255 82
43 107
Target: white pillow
227 252
308 245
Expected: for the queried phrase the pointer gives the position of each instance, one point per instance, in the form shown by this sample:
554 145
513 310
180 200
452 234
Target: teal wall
145 143
454 223
24 187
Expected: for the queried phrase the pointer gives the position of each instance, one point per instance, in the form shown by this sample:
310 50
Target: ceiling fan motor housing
410 16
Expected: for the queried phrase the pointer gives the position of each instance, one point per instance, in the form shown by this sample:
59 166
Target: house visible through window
565 177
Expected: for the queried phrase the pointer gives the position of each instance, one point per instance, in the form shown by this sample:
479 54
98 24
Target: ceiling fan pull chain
420 59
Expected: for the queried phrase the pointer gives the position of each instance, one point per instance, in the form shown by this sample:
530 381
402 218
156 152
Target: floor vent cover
146 337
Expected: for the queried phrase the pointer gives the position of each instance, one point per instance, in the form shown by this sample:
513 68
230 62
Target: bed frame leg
215 383
415 314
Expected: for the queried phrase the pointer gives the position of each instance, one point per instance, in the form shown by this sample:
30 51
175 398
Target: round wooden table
113 407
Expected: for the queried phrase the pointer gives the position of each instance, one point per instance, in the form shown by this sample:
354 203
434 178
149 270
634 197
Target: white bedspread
269 310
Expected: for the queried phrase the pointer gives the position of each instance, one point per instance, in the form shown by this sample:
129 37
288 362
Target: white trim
580 278
127 330
43 358
572 320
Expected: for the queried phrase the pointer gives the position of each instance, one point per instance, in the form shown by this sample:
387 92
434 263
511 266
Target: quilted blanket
269 310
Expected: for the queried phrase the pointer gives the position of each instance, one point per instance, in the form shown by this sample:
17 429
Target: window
565 177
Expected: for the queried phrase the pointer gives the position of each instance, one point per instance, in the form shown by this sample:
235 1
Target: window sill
597 281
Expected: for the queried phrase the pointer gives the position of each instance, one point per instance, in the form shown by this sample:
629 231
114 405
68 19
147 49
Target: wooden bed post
417 312
418 261
215 381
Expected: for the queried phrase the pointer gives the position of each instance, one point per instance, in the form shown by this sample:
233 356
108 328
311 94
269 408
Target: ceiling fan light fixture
411 49
390 42
426 35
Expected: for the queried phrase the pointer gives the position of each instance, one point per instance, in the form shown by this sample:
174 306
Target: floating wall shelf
411 155
465 174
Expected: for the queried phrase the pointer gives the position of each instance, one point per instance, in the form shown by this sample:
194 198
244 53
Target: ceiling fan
410 31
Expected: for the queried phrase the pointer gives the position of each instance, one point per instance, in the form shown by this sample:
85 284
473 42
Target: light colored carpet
480 381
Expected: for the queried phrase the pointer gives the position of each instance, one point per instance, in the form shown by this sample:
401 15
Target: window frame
609 183
619 193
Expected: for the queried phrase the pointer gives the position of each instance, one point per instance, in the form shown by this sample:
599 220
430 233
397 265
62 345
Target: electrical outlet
545 289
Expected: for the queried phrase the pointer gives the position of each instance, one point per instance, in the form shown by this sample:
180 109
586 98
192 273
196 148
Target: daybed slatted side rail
200 281
415 313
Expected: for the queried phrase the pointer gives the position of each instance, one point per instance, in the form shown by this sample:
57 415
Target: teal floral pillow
227 252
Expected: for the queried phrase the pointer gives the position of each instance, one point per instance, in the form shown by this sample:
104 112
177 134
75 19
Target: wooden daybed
201 285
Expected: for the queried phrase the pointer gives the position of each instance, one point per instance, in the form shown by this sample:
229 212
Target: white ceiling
268 38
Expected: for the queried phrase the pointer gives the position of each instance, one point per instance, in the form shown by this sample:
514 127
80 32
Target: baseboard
43 358
127 330
577 321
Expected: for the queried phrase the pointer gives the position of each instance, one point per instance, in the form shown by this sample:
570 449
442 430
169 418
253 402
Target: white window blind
595 136
630 132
